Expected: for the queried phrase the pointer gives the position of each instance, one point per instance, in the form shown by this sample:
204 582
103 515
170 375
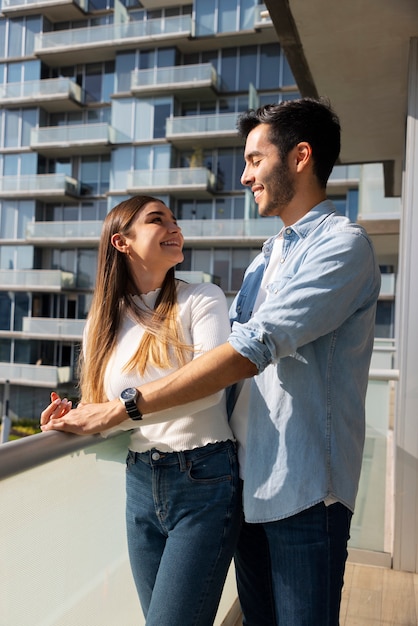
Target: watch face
129 394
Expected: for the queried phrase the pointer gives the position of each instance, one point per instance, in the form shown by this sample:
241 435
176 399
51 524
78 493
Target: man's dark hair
293 121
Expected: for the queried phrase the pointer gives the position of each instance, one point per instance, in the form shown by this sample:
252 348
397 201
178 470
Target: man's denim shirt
311 341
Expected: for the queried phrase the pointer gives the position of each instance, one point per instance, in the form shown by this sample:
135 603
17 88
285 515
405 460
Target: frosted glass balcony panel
46 187
231 228
50 232
54 10
183 180
73 139
213 130
185 78
63 527
40 375
53 328
36 280
55 94
103 41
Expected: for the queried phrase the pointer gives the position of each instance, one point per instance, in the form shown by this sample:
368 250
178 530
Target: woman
183 505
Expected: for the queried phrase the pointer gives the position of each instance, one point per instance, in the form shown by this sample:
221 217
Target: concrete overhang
355 53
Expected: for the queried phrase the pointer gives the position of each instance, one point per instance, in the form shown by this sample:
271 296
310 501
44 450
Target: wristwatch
128 397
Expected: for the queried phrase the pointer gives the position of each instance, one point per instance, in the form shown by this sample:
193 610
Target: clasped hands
86 419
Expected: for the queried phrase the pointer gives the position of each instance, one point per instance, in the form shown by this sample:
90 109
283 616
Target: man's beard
281 189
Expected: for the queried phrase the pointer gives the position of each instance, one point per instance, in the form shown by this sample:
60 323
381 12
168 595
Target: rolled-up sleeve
314 291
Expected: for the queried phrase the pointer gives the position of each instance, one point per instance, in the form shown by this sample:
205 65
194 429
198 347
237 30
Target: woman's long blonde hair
162 343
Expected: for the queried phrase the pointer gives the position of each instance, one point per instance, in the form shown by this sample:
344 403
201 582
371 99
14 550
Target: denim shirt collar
303 227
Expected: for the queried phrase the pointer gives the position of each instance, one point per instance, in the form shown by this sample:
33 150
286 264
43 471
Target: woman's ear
119 242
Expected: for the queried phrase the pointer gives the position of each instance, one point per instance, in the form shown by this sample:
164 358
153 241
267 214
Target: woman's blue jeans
290 572
183 515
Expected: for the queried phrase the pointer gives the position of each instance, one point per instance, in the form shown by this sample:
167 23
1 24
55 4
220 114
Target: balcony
36 280
209 130
193 81
44 187
235 233
73 140
53 95
53 328
193 182
59 531
54 10
64 234
46 376
101 43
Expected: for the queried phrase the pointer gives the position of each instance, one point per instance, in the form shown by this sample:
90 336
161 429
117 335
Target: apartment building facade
102 100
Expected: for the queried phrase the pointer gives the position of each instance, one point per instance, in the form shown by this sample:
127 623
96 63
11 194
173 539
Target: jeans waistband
181 458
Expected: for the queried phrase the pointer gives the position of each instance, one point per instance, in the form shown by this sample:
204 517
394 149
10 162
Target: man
302 334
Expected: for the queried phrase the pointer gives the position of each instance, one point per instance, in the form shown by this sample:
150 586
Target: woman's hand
86 419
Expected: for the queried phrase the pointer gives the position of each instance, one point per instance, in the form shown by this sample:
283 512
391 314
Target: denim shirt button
288 231
155 456
282 260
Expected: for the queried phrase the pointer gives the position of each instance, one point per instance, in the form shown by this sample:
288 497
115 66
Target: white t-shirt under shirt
240 415
203 315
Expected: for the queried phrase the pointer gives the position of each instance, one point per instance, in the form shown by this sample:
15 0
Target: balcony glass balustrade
73 139
176 78
53 328
49 92
51 232
50 8
64 554
63 550
215 130
36 280
103 41
174 180
48 187
46 376
258 229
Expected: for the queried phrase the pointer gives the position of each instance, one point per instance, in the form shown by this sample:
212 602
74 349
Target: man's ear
303 155
119 242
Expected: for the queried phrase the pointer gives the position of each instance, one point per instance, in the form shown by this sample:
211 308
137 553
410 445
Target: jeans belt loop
182 461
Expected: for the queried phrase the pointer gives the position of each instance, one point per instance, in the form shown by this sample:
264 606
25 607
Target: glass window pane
21 309
229 69
161 112
25 215
24 257
247 14
247 67
125 63
221 264
5 348
143 120
288 78
122 117
205 17
87 263
8 220
15 38
121 165
11 132
5 312
224 171
93 82
269 67
29 117
33 26
227 16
